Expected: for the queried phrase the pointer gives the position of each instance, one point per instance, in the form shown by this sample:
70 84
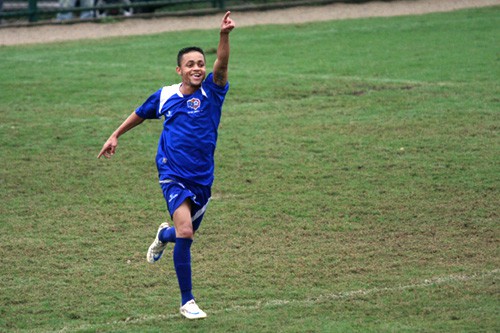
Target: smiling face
192 71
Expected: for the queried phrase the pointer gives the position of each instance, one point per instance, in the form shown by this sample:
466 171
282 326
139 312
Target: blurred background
19 12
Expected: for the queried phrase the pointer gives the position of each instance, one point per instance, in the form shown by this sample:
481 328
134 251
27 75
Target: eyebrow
194 61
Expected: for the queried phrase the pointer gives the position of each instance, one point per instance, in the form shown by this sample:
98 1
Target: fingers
227 23
226 20
103 150
107 151
104 153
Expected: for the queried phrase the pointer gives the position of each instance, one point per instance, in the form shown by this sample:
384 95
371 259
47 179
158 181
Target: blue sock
182 264
167 235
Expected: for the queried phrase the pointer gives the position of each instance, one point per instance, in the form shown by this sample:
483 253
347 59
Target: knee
184 231
182 221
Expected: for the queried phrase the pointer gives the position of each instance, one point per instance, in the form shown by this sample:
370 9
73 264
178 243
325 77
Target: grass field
356 188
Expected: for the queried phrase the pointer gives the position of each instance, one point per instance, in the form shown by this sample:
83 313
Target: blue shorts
176 192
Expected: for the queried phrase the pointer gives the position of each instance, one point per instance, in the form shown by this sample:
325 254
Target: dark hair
189 49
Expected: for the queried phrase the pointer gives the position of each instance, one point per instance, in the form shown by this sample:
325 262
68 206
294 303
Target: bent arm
109 147
222 61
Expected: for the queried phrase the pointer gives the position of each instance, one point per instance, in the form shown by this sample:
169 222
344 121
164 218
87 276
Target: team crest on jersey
194 103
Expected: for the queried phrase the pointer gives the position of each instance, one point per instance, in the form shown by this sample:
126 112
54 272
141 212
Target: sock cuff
187 241
167 235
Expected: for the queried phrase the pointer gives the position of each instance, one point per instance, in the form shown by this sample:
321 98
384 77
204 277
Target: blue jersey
187 143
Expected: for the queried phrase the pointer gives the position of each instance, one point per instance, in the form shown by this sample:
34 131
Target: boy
185 157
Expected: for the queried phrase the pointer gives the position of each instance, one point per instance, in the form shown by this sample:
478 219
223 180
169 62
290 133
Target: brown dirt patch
140 26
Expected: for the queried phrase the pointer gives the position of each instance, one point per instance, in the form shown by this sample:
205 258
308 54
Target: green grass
356 183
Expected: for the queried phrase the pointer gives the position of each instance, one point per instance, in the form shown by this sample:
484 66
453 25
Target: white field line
283 302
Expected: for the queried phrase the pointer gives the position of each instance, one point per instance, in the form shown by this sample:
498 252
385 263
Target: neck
187 89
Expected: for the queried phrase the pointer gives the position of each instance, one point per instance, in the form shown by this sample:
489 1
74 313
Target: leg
176 195
182 249
187 207
182 260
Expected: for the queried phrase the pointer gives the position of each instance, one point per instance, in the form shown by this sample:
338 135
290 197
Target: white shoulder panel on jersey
166 93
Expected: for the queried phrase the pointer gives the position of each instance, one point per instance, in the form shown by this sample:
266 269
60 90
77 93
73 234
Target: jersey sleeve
149 109
218 92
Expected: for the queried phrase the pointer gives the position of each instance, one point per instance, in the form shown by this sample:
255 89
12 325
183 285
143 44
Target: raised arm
221 63
109 147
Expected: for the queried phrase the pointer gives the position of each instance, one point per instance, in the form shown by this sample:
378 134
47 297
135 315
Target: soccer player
185 156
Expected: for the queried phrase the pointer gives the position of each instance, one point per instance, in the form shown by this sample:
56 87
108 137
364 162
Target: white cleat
156 248
191 311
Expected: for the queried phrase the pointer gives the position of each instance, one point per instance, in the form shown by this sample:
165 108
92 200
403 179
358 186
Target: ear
178 70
